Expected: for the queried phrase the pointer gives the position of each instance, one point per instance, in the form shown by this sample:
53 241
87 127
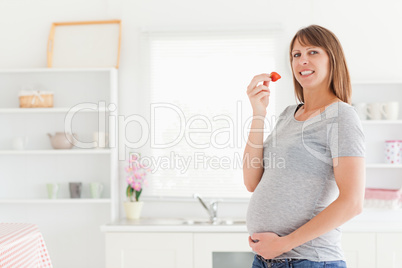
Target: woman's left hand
268 245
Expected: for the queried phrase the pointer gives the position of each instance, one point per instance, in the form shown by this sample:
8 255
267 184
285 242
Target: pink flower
133 158
134 166
138 175
128 169
136 186
130 180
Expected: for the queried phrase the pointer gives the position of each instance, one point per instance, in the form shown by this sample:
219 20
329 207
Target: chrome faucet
212 208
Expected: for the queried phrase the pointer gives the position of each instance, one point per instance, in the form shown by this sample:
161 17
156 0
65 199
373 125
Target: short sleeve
346 136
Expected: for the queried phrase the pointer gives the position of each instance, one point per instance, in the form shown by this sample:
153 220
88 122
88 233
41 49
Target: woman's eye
296 55
313 52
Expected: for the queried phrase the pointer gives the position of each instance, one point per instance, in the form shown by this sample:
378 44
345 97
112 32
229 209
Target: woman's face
310 66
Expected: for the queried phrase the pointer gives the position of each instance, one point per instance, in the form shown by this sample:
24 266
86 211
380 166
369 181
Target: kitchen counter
373 237
174 225
375 221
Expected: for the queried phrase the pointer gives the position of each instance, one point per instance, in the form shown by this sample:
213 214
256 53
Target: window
197 84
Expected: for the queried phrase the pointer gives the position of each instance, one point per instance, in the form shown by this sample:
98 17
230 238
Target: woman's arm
350 177
253 154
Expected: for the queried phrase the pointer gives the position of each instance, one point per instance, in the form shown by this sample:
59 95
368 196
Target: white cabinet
373 250
208 246
145 250
177 250
359 249
230 249
389 250
70 226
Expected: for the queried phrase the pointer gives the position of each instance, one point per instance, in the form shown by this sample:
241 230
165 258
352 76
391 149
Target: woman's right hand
259 95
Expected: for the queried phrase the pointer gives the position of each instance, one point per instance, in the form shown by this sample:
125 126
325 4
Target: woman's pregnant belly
276 207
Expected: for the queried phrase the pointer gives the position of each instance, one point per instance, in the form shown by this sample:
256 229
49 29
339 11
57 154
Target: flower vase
133 209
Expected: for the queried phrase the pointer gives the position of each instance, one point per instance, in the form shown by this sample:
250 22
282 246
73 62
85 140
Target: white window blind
197 82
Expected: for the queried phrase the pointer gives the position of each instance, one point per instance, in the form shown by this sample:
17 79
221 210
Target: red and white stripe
22 245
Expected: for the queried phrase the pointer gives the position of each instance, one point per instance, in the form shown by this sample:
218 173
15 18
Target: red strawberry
274 76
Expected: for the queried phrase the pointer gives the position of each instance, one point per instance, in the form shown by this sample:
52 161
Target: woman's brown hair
339 80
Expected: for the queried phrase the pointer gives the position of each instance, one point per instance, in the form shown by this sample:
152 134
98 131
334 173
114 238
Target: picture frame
84 44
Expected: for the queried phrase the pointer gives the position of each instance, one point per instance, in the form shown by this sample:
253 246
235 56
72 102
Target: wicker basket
36 99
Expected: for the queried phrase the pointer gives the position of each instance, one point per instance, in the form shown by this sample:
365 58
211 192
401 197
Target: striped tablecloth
22 245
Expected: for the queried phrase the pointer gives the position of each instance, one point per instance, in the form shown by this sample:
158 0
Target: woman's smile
306 73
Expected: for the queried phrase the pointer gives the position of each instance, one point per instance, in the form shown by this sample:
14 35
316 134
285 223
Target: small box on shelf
36 99
393 152
383 198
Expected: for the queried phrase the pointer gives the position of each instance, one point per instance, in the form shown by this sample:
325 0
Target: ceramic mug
375 111
96 189
391 110
52 190
75 189
101 139
361 109
20 143
393 151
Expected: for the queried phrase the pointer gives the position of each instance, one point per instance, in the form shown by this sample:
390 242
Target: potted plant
136 180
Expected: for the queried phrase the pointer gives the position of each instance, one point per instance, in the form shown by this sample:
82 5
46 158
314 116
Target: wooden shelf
55 152
56 201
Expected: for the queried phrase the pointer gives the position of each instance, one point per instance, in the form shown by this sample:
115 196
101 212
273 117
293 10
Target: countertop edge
173 229
350 227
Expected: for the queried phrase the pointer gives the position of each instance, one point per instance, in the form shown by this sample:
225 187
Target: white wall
369 31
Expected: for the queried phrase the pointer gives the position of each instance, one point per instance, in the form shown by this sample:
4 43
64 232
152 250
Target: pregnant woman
317 182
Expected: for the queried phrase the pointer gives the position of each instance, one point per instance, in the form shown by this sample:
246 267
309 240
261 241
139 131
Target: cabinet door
145 250
389 250
210 249
360 250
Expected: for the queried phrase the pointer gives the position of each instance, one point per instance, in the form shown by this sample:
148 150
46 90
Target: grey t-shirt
298 180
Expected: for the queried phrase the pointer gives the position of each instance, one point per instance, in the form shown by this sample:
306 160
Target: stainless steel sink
218 222
181 221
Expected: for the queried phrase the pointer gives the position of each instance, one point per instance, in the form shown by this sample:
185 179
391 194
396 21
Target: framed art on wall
85 44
